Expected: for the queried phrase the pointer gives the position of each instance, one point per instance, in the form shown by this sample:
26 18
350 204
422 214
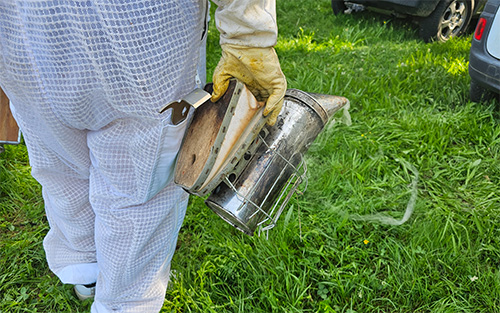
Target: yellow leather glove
259 69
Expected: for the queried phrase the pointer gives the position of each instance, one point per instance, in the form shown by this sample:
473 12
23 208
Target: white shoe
84 292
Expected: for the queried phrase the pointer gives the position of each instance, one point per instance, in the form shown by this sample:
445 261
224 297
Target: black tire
450 19
479 94
338 6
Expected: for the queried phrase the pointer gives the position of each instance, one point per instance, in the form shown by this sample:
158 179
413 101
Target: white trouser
86 80
120 239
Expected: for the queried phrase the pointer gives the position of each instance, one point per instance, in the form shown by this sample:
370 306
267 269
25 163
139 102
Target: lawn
412 123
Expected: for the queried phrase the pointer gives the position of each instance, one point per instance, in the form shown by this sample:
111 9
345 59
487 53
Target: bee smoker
249 169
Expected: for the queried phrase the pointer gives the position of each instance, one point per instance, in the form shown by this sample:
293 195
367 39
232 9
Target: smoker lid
310 101
324 106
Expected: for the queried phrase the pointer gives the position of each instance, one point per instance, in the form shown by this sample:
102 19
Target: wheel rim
453 19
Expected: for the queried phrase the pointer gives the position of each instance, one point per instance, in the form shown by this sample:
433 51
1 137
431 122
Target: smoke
383 218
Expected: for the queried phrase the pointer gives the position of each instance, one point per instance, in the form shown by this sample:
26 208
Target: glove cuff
250 23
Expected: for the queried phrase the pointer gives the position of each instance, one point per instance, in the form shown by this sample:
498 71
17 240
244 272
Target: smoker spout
325 106
331 104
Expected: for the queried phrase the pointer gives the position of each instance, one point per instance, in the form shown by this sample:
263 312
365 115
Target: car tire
338 6
450 19
479 94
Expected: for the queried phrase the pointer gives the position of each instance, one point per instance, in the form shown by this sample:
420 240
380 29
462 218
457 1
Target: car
438 20
484 57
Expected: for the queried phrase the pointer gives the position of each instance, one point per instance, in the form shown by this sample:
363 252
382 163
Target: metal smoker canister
275 166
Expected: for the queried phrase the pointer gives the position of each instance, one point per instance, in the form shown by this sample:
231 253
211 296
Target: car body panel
493 40
409 7
484 69
417 8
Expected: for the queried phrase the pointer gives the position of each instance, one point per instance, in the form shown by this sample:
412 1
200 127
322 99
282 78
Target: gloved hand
259 69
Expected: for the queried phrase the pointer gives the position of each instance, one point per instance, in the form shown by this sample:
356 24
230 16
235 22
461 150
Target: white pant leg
135 246
135 234
64 176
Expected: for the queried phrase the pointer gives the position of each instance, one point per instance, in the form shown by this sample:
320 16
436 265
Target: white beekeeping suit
86 79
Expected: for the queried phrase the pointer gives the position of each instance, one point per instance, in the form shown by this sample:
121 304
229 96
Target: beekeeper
87 79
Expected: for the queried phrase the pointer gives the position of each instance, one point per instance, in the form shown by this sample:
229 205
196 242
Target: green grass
409 107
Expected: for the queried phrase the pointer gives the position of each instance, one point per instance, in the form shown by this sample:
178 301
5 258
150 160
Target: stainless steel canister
274 165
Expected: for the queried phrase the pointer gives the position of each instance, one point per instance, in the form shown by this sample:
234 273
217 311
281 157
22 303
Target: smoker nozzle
331 104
